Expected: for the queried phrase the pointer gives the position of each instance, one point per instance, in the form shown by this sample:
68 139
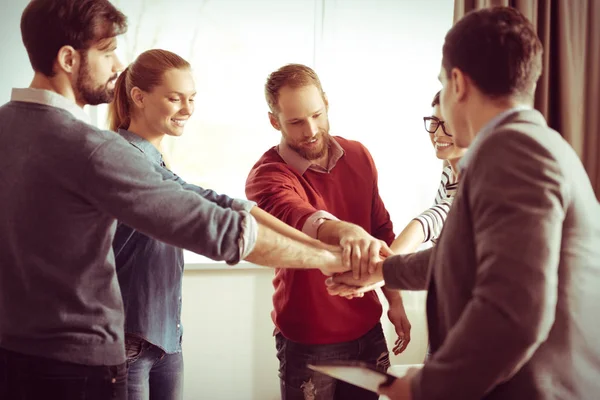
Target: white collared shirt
49 98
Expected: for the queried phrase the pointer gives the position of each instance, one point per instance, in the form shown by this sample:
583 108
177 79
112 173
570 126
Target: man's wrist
393 296
352 229
329 259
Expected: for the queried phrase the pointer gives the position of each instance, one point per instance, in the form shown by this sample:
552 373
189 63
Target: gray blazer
514 282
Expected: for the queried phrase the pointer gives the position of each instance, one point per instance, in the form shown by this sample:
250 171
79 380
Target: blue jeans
300 383
24 377
152 373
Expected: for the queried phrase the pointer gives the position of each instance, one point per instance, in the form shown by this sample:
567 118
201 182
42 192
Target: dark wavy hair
48 25
498 49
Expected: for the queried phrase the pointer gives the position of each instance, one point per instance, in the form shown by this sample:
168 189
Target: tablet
355 372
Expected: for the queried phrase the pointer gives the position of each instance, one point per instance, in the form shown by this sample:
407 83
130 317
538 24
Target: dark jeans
152 373
24 377
300 383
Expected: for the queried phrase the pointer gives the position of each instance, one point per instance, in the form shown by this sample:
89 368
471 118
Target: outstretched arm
409 239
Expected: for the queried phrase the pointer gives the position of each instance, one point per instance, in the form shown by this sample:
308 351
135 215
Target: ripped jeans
300 383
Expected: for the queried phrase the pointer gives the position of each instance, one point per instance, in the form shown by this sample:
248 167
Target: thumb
345 278
385 250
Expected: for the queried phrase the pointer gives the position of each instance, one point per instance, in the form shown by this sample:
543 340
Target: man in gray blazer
514 282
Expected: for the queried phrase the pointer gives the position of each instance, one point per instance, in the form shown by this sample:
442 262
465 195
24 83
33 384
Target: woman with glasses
427 226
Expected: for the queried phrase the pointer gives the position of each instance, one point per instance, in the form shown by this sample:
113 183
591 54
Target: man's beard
92 95
313 154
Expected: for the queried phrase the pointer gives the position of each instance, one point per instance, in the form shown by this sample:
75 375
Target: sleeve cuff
389 275
248 237
314 221
424 226
242 205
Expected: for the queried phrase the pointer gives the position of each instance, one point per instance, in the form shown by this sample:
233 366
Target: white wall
229 351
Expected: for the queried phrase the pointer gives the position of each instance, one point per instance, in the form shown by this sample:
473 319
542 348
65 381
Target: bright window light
378 61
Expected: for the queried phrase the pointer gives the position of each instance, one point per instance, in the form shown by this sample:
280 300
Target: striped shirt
432 220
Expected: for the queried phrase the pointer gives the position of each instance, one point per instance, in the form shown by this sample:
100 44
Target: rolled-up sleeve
315 220
248 236
243 205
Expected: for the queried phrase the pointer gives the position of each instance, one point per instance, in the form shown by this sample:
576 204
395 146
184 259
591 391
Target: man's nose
313 127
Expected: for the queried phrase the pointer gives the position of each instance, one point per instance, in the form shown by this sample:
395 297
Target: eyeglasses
433 123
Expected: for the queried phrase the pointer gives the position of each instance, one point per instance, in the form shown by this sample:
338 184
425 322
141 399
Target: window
378 61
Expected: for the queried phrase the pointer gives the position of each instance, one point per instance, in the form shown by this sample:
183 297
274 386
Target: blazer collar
517 114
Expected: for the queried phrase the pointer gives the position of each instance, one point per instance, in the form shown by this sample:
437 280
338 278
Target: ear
68 59
137 96
460 83
274 121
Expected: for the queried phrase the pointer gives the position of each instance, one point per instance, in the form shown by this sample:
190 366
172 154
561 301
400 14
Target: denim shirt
150 272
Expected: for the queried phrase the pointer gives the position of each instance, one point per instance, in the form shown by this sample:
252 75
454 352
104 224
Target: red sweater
303 310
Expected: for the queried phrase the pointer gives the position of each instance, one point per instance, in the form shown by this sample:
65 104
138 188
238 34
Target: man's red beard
312 154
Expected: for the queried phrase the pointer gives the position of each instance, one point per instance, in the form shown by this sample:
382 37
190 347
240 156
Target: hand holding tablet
355 372
363 375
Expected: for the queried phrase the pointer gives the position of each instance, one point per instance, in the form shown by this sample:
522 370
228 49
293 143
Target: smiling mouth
179 122
440 146
312 141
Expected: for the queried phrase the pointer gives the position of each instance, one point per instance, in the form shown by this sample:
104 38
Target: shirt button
178 326
113 380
